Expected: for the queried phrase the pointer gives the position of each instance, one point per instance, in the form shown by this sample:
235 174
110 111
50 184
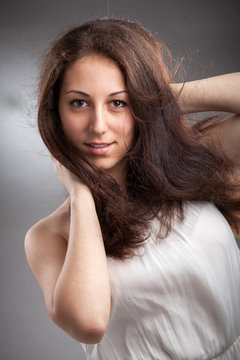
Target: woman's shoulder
206 222
46 242
55 224
202 218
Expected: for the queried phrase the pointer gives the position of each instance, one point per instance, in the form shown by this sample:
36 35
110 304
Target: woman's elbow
88 331
92 335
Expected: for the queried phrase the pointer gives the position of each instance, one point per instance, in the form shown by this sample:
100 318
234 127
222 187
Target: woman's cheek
72 129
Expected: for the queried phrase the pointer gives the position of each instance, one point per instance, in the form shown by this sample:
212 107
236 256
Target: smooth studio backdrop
204 34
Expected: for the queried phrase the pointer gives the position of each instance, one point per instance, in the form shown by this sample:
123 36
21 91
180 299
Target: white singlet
178 298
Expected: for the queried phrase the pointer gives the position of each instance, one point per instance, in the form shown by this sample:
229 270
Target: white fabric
180 300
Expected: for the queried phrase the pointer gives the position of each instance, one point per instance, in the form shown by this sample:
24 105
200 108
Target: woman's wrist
192 97
81 196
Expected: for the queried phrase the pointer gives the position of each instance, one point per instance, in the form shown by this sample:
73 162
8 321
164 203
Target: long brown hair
167 164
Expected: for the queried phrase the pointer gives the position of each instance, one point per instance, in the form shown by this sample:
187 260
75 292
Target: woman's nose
98 123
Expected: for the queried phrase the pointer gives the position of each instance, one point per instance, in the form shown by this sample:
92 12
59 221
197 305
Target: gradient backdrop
205 33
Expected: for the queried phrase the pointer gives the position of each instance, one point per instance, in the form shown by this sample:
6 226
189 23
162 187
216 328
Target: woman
140 262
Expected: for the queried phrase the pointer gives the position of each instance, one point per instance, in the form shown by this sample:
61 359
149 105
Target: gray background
205 33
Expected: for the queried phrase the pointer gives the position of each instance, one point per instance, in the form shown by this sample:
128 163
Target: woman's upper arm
45 252
77 297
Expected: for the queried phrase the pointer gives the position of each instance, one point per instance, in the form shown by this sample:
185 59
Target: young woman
140 262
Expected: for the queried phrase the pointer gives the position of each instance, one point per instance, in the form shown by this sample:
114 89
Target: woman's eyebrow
77 92
118 92
87 95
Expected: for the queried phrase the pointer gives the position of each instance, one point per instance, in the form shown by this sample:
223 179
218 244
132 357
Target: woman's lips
99 148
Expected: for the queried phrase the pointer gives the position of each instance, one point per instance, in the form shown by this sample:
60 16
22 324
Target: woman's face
94 111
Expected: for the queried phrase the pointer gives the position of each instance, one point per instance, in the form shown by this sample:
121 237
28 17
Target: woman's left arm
218 93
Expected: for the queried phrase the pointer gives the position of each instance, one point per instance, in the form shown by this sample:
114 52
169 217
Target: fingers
52 157
56 163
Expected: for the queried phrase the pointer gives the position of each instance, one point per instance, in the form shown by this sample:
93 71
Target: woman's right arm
73 277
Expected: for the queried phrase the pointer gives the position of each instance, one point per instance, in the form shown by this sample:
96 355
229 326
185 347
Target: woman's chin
114 169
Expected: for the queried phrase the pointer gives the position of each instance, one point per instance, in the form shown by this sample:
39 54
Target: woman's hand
71 182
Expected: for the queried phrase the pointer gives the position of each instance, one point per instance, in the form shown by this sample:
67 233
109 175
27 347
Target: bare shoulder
48 231
57 224
46 246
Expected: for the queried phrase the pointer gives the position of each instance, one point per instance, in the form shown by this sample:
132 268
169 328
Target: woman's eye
118 103
78 103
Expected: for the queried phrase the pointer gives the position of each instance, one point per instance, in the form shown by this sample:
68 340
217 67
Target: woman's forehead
94 72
